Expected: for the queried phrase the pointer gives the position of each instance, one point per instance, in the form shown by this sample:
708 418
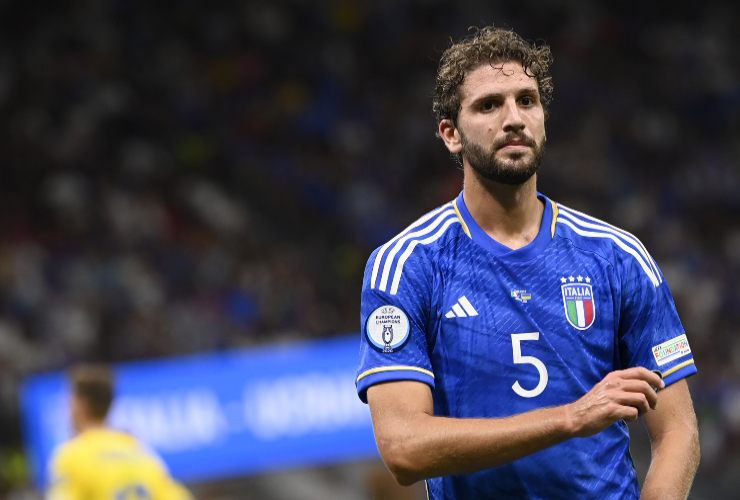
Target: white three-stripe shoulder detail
620 243
398 245
406 254
414 225
587 221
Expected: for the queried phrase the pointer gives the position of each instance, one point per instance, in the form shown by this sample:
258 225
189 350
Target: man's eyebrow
497 95
489 95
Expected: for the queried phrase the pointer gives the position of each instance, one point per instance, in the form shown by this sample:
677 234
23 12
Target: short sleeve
62 485
650 330
395 302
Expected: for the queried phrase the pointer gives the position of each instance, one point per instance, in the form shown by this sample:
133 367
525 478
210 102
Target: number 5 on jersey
516 340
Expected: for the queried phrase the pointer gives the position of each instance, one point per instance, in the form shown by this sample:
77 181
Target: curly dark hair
488 45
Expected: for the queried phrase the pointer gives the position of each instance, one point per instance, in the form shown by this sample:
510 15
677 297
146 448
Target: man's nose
512 118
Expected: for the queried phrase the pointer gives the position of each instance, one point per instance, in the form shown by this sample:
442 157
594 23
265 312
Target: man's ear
450 135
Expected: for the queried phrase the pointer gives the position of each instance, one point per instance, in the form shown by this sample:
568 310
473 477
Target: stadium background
191 177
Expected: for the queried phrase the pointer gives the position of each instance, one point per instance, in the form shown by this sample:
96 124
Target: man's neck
510 215
90 425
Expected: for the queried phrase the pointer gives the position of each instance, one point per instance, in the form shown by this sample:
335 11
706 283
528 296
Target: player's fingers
615 382
642 387
641 373
635 400
624 412
630 414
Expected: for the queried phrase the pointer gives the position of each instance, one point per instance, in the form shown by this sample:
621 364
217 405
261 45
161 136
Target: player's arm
416 445
63 484
651 335
674 440
62 490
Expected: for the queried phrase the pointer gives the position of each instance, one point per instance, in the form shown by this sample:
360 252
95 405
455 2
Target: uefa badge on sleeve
387 328
578 301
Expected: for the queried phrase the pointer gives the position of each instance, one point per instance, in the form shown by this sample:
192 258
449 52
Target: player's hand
621 395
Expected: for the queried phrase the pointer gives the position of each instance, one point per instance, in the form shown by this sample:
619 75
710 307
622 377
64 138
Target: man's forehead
508 75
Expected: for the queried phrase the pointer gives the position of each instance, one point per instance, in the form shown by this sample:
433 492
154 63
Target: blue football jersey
496 332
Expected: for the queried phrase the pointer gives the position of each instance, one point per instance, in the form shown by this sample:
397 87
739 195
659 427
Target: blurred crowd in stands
189 177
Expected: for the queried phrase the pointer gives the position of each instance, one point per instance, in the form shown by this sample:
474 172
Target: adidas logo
462 309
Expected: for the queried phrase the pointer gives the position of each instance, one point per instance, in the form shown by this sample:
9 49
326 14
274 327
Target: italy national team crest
578 300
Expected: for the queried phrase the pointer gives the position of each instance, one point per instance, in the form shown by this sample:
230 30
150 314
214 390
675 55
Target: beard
514 170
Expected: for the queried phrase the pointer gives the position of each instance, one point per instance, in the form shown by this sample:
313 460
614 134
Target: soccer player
508 338
101 463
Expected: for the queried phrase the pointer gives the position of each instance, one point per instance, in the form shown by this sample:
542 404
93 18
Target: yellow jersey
104 464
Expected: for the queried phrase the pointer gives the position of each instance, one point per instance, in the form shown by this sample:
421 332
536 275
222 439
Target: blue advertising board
226 414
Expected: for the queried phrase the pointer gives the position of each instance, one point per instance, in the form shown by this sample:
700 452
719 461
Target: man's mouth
513 144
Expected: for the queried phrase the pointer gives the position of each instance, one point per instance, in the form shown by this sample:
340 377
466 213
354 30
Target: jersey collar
479 236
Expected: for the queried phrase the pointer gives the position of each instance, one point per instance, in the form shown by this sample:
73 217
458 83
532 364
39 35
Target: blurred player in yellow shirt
101 463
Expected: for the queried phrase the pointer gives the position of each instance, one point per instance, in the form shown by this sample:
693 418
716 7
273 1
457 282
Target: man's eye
487 106
526 100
